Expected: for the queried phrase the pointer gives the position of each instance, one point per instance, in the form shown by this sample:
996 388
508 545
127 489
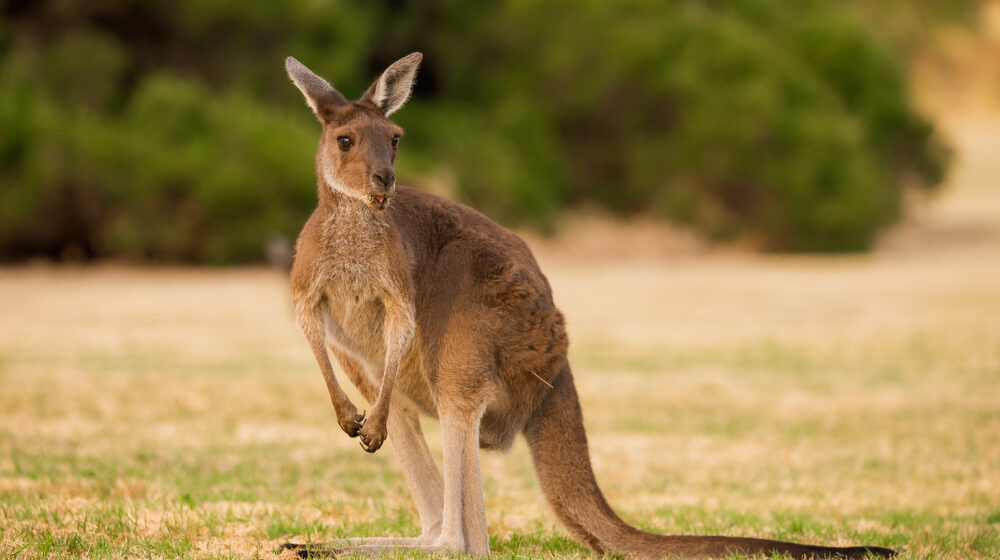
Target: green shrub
738 118
168 131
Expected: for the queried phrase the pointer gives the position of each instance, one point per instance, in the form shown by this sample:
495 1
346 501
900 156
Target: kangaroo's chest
355 281
354 314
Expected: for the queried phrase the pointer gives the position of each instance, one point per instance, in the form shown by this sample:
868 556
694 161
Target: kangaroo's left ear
391 90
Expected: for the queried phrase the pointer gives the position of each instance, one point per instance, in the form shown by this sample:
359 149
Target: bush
739 118
168 132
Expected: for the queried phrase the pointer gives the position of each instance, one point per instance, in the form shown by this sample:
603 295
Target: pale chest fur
355 280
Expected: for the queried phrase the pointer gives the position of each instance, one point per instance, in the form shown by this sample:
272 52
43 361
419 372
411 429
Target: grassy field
854 400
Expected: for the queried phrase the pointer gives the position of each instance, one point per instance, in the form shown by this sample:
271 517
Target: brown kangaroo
431 308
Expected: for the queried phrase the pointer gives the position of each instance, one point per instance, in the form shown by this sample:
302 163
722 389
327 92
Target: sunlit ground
852 400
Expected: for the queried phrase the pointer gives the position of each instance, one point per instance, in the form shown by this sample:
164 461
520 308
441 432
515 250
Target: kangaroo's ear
393 87
320 95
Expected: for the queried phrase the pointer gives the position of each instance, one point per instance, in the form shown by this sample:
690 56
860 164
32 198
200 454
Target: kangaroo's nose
384 178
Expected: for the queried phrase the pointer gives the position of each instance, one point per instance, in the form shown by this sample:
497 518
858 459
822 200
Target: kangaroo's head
357 149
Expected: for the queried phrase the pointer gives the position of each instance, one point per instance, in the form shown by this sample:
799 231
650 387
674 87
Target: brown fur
431 308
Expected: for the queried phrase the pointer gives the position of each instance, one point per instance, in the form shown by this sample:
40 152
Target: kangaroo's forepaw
350 421
372 434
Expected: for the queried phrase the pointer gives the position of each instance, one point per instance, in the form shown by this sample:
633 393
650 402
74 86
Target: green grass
132 436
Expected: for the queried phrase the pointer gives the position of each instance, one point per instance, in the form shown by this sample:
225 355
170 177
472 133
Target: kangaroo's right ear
320 95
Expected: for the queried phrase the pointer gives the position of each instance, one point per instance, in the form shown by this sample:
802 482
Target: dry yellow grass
176 413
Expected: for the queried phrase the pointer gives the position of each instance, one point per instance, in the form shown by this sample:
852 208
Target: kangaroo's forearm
337 395
347 413
399 328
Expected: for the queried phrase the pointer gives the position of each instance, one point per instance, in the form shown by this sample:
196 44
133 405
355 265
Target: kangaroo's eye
345 142
395 142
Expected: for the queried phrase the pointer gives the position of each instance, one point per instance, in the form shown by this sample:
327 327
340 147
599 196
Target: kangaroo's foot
316 550
369 547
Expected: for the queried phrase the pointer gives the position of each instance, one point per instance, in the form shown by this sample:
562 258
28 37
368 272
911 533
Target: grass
174 421
855 400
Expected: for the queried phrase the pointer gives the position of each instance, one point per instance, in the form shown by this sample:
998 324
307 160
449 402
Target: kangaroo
432 309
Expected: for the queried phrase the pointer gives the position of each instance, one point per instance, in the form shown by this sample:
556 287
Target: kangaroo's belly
355 326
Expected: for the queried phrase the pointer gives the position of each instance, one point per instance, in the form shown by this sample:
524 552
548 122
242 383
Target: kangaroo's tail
559 448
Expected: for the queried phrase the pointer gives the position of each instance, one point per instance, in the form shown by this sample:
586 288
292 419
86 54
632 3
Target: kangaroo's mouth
378 202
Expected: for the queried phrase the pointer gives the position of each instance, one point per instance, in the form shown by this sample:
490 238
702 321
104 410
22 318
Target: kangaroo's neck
352 233
347 211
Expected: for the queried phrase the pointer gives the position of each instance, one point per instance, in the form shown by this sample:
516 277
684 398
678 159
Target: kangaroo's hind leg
419 469
463 526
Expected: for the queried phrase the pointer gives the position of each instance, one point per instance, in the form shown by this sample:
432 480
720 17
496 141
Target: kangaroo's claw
372 435
351 422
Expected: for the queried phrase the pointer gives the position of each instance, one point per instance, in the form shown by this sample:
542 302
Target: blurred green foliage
907 25
168 131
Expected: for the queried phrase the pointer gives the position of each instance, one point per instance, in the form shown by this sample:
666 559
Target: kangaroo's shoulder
469 245
444 221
